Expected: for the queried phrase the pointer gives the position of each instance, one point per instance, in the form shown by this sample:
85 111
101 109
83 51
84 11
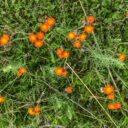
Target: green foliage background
19 18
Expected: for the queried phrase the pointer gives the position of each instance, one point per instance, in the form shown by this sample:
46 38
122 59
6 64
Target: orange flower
60 55
108 89
118 105
82 36
110 96
122 57
37 108
6 36
19 74
77 44
77 38
91 19
1 99
59 71
68 89
22 70
31 111
127 14
59 51
44 27
3 40
36 113
50 21
88 28
71 35
38 43
65 54
32 37
40 35
64 73
111 106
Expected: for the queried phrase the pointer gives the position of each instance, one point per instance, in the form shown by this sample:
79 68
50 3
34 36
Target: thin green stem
93 116
93 96
120 79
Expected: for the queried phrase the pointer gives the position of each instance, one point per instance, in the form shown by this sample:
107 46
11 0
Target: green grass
95 64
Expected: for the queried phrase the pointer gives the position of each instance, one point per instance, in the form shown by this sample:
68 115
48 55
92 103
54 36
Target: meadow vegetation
65 80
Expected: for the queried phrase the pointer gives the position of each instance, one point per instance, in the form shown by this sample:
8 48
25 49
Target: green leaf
69 113
52 57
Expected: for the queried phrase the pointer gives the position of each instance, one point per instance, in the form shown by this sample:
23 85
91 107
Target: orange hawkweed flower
59 71
59 51
50 21
32 37
127 14
40 35
65 54
38 43
36 113
111 106
19 74
118 105
22 70
6 36
68 89
44 27
88 28
122 57
1 99
3 40
77 44
82 36
37 108
108 89
60 55
64 73
91 19
71 35
77 38
31 111
110 96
